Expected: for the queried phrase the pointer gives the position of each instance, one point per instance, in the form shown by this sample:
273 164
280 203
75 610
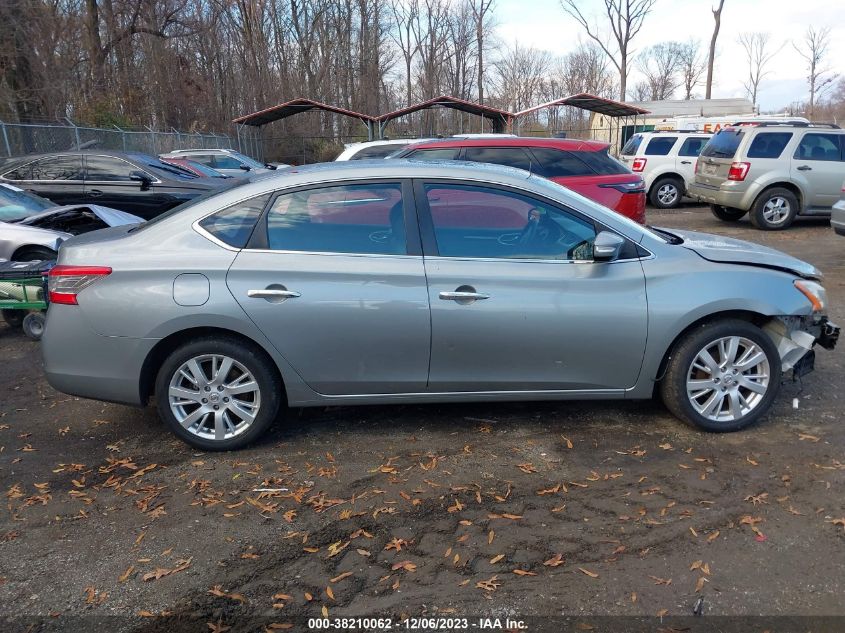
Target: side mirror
607 246
269 166
244 167
142 177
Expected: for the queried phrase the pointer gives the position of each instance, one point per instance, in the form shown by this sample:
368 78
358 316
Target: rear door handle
804 168
463 296
686 162
272 293
94 193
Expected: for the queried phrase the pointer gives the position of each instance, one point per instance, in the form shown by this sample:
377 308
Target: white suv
666 161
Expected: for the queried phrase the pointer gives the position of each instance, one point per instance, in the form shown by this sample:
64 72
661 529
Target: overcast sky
543 24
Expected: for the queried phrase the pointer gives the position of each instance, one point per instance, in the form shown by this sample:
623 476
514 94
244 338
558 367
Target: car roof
517 141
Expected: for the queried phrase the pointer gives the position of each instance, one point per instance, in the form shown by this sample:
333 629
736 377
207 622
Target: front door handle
463 295
273 294
804 168
94 193
686 162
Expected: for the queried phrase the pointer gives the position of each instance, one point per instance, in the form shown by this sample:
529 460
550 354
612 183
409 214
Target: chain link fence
18 139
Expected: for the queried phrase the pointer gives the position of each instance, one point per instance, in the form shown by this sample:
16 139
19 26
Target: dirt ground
579 510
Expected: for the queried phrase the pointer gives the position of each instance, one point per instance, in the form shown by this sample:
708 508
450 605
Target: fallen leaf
555 561
700 584
345 574
496 559
589 573
330 593
406 565
661 581
125 575
489 585
522 572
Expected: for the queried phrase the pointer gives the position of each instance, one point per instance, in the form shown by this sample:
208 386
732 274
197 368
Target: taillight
738 171
64 283
695 167
638 164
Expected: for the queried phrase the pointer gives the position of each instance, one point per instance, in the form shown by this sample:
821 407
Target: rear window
724 143
768 144
660 145
632 145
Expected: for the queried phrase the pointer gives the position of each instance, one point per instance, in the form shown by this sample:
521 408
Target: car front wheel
722 375
217 394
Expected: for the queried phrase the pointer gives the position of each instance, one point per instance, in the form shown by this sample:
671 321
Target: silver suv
772 171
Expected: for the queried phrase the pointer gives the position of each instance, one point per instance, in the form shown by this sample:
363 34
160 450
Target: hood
112 217
716 248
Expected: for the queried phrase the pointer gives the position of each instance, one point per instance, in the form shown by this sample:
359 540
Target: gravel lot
501 510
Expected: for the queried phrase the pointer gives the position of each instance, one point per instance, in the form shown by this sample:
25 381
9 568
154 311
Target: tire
727 214
13 318
685 363
226 428
34 254
33 325
666 193
774 209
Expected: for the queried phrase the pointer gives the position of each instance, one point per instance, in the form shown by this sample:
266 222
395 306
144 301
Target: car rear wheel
13 318
33 325
727 214
722 376
666 193
217 394
774 209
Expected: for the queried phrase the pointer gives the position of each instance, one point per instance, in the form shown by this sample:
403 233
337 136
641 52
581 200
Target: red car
583 166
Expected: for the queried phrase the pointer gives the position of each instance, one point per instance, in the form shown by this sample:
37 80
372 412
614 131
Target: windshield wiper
671 237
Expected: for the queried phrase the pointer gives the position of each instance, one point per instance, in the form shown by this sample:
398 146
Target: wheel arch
159 353
26 247
757 318
789 186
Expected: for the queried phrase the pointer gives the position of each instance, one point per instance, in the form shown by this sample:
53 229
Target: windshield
16 204
251 162
724 143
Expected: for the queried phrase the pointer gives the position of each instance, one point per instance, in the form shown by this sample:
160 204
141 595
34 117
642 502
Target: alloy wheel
214 397
776 210
667 194
728 379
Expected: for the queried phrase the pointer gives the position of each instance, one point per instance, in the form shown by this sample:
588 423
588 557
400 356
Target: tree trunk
717 16
96 54
623 74
479 36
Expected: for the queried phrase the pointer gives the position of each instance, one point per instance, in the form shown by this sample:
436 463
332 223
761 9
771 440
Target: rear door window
660 145
362 218
108 169
723 144
692 146
508 156
768 144
816 146
226 162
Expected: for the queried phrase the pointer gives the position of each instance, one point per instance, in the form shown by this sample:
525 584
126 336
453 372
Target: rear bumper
717 195
837 217
80 362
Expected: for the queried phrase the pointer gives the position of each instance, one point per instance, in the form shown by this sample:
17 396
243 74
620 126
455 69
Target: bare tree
407 35
660 65
759 54
519 76
813 49
692 66
481 12
625 19
642 91
711 58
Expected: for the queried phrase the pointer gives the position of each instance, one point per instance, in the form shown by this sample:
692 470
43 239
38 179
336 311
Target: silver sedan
386 282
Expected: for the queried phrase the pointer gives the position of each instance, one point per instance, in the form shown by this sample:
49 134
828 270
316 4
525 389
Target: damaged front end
795 337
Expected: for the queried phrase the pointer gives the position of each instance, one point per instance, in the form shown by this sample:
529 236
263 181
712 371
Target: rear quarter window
632 145
233 225
724 143
660 145
768 144
377 151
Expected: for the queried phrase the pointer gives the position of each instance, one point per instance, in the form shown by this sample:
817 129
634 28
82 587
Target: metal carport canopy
296 106
499 118
592 103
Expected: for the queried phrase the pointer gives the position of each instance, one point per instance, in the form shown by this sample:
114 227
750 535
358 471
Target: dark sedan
132 182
